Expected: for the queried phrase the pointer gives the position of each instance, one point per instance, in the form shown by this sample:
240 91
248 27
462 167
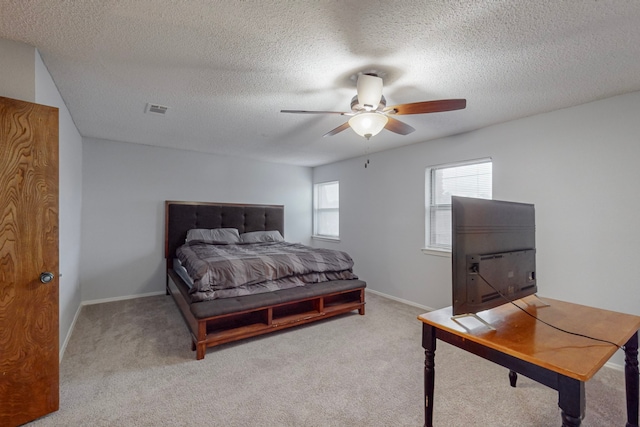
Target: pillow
261 236
214 235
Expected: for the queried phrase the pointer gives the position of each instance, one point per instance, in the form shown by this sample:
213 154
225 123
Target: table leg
631 379
429 345
513 378
571 400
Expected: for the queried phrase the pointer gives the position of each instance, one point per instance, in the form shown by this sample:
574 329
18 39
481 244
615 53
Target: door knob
46 277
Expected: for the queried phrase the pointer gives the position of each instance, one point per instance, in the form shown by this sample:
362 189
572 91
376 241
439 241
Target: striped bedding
231 270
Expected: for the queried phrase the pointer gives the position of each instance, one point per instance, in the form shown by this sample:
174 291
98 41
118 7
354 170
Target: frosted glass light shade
368 124
369 91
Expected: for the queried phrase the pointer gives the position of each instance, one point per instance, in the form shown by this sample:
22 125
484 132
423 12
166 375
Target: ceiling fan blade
397 126
316 112
339 129
427 107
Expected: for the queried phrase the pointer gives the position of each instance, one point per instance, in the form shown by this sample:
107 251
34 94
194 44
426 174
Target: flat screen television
492 241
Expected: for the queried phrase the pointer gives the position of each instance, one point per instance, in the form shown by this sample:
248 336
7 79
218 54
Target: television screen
493 253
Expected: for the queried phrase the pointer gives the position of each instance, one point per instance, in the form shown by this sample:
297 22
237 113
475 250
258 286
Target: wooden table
520 343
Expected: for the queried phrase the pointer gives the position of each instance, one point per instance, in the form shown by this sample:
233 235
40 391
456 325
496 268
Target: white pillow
214 235
261 236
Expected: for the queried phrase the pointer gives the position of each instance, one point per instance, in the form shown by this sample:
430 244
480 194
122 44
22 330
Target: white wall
70 198
124 190
579 166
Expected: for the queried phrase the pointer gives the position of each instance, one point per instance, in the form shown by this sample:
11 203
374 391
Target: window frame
430 204
319 209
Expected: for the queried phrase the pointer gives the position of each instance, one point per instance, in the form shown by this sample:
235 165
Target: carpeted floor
129 363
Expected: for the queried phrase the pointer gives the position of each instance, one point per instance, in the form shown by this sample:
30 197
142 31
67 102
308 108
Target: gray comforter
222 271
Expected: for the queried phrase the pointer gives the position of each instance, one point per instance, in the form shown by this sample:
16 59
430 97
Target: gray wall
124 189
579 166
17 70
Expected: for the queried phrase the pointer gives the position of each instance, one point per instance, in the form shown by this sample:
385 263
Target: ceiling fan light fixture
368 124
369 91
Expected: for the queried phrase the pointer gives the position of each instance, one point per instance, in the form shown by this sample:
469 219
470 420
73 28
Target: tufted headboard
183 216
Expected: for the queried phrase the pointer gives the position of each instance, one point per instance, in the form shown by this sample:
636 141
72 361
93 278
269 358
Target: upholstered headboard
183 216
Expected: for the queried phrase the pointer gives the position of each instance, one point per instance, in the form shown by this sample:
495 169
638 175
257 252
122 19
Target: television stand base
480 319
543 303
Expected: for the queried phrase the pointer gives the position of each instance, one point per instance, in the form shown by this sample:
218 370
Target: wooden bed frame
230 319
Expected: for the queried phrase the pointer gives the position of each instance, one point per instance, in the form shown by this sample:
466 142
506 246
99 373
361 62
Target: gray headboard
183 216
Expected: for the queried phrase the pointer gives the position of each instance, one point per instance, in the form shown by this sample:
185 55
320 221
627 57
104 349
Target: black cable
542 321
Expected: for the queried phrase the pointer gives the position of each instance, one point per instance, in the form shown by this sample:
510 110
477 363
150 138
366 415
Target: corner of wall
70 198
17 69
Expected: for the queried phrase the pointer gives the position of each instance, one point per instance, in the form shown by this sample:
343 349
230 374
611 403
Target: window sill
326 238
437 252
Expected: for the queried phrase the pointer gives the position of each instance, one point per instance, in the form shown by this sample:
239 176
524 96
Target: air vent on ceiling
156 109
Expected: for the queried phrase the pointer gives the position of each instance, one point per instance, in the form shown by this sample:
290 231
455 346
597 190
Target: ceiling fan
370 114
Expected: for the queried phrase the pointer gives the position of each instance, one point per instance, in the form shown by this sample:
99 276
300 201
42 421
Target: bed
217 316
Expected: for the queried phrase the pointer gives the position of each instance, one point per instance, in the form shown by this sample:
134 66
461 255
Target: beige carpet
129 363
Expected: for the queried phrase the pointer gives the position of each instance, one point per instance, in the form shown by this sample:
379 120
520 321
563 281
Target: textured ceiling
226 68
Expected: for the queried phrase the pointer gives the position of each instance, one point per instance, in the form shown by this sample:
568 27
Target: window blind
469 179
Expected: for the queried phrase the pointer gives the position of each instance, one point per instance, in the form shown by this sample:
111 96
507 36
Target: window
326 210
468 179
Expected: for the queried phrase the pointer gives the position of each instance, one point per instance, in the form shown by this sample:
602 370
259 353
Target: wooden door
29 366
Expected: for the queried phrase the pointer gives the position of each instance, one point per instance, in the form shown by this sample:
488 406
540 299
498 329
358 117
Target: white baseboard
404 301
66 339
614 366
103 300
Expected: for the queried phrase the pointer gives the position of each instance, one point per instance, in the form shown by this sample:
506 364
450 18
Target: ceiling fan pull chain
366 153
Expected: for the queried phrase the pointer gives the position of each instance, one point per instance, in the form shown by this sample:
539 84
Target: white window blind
326 209
469 179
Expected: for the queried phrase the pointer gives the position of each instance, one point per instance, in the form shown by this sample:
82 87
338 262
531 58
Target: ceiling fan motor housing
369 89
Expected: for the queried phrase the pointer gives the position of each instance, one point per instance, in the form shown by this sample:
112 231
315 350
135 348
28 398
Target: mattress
182 272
